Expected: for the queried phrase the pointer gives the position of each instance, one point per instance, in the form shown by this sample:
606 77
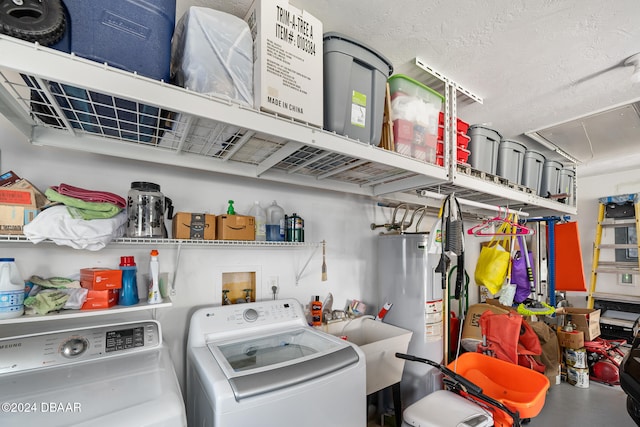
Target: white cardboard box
379 343
288 60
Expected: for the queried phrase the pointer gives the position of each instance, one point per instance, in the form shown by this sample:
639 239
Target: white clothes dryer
114 374
261 364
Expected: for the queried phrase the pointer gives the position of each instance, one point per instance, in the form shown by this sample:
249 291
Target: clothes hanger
507 225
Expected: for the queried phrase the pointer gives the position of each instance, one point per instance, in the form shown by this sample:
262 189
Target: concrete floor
599 405
596 406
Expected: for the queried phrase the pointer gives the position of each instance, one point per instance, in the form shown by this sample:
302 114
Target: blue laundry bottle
129 289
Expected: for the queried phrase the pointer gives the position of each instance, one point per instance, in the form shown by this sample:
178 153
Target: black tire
39 21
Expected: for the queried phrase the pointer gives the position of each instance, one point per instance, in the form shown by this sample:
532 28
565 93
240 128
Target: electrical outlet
273 286
273 281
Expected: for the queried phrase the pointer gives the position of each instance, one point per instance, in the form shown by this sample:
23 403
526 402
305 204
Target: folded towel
54 282
56 224
81 209
90 195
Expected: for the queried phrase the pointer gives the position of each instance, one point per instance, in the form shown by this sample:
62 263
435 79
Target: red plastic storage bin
462 154
462 139
462 125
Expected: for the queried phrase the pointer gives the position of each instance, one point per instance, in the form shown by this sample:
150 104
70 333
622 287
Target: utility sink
379 342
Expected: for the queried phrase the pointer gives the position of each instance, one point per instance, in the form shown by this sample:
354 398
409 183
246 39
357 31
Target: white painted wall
342 220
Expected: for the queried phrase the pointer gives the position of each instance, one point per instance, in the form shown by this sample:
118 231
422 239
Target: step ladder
625 270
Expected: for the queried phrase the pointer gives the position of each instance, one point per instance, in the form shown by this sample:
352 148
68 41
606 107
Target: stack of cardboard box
585 326
20 202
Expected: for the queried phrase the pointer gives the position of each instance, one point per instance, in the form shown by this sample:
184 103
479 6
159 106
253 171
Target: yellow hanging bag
493 262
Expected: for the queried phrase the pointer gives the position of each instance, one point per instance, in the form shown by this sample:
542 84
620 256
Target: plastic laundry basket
355 78
518 388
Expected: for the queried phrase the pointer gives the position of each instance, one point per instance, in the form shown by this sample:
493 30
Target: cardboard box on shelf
194 226
573 340
100 279
586 320
23 184
288 60
100 299
235 227
18 207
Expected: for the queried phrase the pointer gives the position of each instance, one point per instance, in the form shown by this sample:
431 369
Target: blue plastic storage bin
133 35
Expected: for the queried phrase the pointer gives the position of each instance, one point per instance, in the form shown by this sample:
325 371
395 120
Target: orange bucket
516 387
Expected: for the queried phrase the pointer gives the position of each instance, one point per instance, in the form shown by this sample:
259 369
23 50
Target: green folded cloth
80 209
47 301
54 282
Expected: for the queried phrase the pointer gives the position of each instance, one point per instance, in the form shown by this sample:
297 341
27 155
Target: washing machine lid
260 364
131 390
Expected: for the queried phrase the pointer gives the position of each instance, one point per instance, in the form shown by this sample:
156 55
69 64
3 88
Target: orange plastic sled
516 387
568 262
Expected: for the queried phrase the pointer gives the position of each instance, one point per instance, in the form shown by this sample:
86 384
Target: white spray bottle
154 283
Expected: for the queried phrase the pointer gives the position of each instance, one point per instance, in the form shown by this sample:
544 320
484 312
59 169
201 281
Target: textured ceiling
535 63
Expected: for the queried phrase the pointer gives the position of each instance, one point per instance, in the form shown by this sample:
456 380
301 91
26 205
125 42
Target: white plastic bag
212 52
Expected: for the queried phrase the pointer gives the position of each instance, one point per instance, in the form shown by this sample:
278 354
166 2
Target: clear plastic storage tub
355 79
415 109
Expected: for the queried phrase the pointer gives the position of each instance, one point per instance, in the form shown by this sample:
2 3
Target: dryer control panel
72 345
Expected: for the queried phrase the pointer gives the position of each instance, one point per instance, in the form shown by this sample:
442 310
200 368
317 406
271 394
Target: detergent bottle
129 290
154 279
11 289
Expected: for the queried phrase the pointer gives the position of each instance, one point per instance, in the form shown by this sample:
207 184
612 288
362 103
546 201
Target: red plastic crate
462 138
462 154
462 125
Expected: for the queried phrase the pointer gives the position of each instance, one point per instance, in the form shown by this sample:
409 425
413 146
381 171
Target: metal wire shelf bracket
306 264
438 75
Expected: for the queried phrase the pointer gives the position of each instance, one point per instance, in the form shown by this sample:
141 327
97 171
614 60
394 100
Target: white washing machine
111 374
260 364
